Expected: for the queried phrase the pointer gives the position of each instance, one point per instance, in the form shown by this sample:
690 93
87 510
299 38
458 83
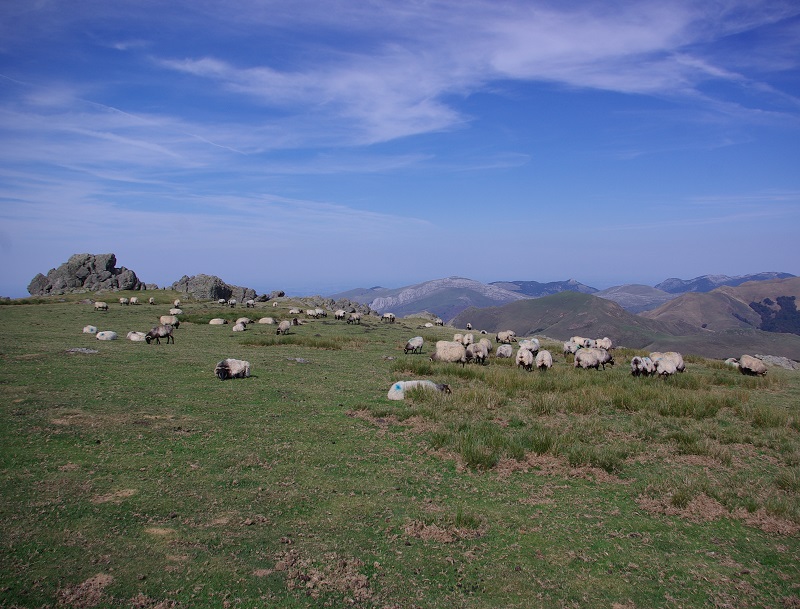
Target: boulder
211 287
85 272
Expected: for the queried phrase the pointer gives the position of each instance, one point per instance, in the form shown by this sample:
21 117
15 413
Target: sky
318 146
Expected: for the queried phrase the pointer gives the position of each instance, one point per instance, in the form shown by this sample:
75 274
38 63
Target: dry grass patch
89 593
335 574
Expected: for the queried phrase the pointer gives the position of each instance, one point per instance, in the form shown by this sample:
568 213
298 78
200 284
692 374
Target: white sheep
340 314
486 343
137 337
675 357
124 301
665 367
414 345
398 390
603 356
106 335
283 327
267 320
175 311
244 320
134 300
390 317
544 360
159 332
570 348
468 339
232 303
250 304
100 306
506 336
231 369
449 351
469 326
354 318
176 303
438 321
524 358
320 313
586 358
505 351
604 343
294 311
218 321
582 342
531 344
170 320
151 300
458 338
752 366
477 352
222 301
89 329
239 327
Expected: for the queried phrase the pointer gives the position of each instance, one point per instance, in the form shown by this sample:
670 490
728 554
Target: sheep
340 314
449 351
506 336
354 318
637 366
294 311
100 306
544 360
151 300
283 327
158 332
171 320
136 337
231 369
124 301
89 329
732 362
752 366
274 304
468 339
176 303
397 390
570 348
390 317
295 321
604 343
505 351
531 344
218 321
222 301
250 304
583 342
675 357
586 358
477 352
175 311
459 338
469 326
106 335
244 320
133 300
428 324
414 345
239 327
266 320
665 367
320 313
603 356
232 303
524 358
486 343
438 321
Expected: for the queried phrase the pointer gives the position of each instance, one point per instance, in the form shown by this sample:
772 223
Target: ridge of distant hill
706 283
534 289
635 297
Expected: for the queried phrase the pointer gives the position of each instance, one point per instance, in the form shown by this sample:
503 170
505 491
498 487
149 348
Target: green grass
134 478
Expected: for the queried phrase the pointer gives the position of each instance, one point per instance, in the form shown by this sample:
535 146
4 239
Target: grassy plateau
133 477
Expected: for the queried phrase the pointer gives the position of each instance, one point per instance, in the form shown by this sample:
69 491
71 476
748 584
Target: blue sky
319 146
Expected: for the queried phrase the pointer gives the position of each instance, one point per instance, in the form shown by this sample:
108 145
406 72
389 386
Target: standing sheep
124 301
100 306
506 336
449 351
586 358
250 304
390 317
176 303
171 320
603 356
231 369
159 332
525 359
544 360
673 356
283 327
477 352
354 318
339 314
504 351
134 300
151 300
414 345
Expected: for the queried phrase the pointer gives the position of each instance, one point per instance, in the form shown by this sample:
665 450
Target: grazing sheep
675 357
340 314
320 313
390 317
283 327
159 332
171 320
603 356
250 304
525 359
218 321
637 366
232 369
544 360
438 321
106 335
449 351
175 311
239 327
486 343
665 367
100 306
414 345
222 301
295 321
571 348
354 318
459 338
232 303
137 337
752 366
294 311
133 300
89 330
266 320
468 339
505 351
583 342
176 303
477 352
124 301
397 390
506 336
531 344
604 343
586 358
151 300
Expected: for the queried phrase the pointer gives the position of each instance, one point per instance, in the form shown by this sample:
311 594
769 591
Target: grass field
133 477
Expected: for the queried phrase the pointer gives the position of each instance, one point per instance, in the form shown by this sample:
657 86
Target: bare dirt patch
434 532
87 594
336 574
115 497
548 465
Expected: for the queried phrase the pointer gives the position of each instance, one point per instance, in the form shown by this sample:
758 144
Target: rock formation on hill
211 287
85 273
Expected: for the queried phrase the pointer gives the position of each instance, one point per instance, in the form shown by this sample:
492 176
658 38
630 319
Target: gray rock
85 272
781 362
211 287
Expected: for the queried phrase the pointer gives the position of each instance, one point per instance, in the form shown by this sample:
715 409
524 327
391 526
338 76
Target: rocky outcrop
211 287
85 273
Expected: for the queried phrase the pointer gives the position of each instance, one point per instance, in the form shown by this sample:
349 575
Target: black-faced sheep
390 317
398 389
354 318
544 360
525 359
506 336
134 300
176 303
124 301
603 356
151 300
477 352
752 366
171 320
283 327
449 351
250 304
100 306
414 345
340 314
232 368
217 321
673 356
586 358
159 332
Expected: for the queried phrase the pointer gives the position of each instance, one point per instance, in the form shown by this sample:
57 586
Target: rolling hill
706 283
635 298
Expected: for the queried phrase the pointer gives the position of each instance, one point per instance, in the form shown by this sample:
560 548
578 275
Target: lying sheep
266 320
525 359
283 327
244 320
477 352
100 306
752 366
506 336
170 320
106 335
505 351
414 345
159 332
232 369
137 337
673 356
544 360
354 318
217 321
449 351
222 301
89 330
239 327
174 311
397 390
